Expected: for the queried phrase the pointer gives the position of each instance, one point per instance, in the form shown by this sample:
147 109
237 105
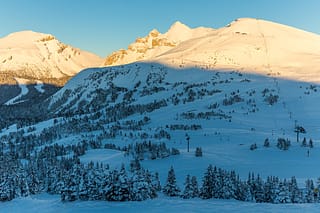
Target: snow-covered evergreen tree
310 143
156 181
295 192
195 187
6 188
153 183
309 193
228 188
140 188
207 189
259 190
187 192
124 193
70 192
271 189
284 193
171 188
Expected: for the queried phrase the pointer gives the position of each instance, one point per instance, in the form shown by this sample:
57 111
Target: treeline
149 150
73 180
222 184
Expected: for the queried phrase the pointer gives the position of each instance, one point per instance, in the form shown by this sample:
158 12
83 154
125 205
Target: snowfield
50 204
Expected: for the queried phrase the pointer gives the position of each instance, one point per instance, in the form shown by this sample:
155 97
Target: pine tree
124 194
227 189
251 185
242 192
266 143
317 190
112 189
156 182
6 188
140 188
187 192
309 195
198 152
207 188
94 183
194 186
304 142
310 143
83 187
70 192
153 183
171 189
295 193
283 195
259 190
270 190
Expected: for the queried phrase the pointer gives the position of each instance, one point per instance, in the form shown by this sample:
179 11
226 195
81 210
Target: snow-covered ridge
252 45
155 43
246 44
37 55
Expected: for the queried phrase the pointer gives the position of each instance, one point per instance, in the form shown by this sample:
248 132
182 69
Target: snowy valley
235 98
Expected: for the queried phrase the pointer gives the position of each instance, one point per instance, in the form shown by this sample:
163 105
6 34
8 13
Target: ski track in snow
24 90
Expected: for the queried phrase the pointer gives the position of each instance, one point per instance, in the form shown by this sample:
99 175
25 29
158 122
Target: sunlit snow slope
250 45
155 43
35 55
253 45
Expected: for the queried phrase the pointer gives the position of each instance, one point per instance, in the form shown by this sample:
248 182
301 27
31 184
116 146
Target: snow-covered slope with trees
175 132
35 55
135 120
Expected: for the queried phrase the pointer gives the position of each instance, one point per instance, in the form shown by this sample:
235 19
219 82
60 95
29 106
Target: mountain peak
155 43
40 55
27 35
178 32
178 25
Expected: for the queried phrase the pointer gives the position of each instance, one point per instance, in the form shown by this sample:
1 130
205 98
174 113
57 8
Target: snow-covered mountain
155 44
250 45
253 45
33 55
241 115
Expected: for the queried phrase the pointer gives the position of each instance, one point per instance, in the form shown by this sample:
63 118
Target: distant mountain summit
246 44
33 55
155 43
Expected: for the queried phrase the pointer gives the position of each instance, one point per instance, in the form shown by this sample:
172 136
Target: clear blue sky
103 26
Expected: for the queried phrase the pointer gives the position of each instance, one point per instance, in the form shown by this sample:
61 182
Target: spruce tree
295 193
309 194
156 182
284 196
206 191
259 190
140 188
194 186
187 192
170 188
124 194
